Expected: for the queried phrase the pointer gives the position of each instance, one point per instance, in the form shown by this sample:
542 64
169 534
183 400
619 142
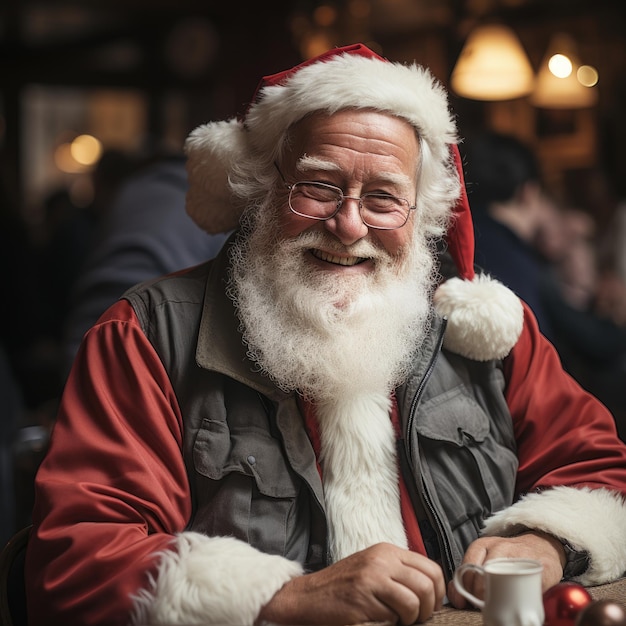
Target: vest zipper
446 551
425 377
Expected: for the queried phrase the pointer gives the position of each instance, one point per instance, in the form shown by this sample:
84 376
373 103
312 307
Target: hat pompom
485 318
211 151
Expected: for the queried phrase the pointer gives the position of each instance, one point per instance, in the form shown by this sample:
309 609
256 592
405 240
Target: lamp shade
565 91
492 65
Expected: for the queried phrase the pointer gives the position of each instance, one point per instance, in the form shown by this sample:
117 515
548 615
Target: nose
347 224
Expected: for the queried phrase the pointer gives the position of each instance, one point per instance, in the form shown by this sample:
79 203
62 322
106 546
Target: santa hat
484 317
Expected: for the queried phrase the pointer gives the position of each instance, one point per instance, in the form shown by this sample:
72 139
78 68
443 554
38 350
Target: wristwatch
576 561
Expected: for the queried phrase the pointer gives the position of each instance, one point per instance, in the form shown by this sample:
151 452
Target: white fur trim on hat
212 150
199 581
352 81
485 318
590 519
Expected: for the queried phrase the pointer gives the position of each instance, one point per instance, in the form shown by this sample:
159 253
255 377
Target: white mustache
314 239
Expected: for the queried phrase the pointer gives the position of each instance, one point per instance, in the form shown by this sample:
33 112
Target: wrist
574 561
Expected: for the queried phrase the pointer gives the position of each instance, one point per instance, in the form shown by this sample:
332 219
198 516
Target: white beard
344 343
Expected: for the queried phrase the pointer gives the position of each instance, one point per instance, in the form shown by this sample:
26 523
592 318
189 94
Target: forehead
359 133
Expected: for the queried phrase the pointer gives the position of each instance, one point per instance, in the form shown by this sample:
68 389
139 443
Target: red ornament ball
602 613
563 602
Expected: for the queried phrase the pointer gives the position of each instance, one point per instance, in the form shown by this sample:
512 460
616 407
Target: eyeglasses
321 201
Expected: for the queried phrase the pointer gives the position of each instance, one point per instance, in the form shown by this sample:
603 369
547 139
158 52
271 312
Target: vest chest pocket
244 487
471 463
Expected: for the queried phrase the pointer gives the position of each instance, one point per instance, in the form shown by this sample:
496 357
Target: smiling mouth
337 260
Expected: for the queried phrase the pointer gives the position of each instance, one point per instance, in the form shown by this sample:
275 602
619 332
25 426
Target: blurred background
93 90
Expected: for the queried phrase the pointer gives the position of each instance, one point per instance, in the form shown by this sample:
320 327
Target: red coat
113 488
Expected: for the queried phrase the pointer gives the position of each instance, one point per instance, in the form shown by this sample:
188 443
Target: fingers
416 588
383 583
431 568
412 597
473 583
423 597
477 553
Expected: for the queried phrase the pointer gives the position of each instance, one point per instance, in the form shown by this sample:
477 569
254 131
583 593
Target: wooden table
448 616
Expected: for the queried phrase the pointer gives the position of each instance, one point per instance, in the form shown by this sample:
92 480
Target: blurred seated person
311 427
144 233
610 292
601 194
611 296
509 206
592 346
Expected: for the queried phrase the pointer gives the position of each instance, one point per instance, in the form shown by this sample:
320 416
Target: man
278 435
510 210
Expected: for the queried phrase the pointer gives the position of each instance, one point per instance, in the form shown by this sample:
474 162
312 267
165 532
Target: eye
320 192
380 201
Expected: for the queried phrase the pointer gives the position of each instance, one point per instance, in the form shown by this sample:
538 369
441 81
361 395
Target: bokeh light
86 150
587 75
560 65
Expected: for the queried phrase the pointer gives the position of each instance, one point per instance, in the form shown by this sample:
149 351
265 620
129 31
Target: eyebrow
307 162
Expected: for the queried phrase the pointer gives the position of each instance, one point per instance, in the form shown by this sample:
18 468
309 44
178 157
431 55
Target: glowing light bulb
560 65
587 75
86 149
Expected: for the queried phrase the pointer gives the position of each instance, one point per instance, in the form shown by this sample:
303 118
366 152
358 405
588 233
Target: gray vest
251 467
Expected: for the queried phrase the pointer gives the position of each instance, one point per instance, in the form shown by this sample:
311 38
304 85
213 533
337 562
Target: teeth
329 258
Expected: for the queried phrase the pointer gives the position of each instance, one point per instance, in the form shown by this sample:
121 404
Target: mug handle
458 583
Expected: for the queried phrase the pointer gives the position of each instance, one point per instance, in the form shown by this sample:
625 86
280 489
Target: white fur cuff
211 580
590 519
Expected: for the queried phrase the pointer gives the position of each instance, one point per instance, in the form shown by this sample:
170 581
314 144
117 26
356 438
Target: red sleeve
565 436
113 487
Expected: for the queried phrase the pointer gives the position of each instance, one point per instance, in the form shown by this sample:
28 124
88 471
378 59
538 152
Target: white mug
513 594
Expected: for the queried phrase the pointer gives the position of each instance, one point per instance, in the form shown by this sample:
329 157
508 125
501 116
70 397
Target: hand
380 583
536 545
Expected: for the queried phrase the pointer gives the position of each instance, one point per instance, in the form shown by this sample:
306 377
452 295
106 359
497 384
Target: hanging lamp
492 65
562 83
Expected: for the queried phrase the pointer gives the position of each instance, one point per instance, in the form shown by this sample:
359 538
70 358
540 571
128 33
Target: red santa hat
484 317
